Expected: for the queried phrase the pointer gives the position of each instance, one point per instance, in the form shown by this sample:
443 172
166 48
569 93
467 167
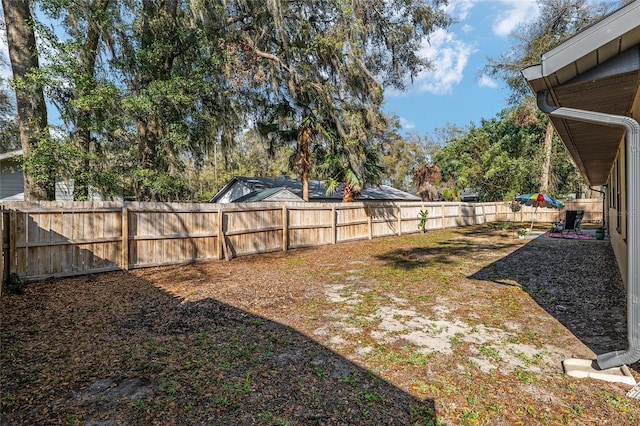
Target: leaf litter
462 326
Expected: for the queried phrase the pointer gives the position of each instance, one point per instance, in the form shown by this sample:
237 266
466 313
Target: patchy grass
466 326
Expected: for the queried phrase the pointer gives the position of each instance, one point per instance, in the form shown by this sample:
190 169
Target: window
619 183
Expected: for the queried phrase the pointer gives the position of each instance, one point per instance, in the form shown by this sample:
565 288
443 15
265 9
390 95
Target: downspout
632 136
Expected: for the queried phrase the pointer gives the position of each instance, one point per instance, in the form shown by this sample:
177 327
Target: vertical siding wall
55 239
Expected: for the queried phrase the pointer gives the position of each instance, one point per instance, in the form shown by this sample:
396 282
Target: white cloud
449 57
459 9
514 13
466 28
406 124
486 81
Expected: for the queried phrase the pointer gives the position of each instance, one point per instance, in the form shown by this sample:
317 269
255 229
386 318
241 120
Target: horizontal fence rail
58 239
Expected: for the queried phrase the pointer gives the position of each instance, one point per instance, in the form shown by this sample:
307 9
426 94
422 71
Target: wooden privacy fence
56 239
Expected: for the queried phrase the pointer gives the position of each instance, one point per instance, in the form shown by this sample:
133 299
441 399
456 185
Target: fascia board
592 38
533 72
10 154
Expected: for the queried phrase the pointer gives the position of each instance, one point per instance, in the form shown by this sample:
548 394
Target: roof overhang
598 70
10 154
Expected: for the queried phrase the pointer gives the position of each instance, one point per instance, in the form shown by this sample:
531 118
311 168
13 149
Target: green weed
577 410
423 415
349 379
469 416
489 352
526 376
320 372
170 387
372 397
617 402
496 408
456 341
534 359
407 356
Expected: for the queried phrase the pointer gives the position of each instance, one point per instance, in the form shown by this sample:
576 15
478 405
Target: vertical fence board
334 224
58 259
4 246
20 253
221 238
124 245
285 228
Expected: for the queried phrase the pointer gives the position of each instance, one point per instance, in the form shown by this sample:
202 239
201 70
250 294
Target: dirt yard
465 326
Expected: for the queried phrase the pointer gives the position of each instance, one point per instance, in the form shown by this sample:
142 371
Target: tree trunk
546 165
81 175
347 193
30 104
150 129
149 134
304 140
88 57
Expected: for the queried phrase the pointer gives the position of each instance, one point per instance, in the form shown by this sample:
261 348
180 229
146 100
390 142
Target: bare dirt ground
463 326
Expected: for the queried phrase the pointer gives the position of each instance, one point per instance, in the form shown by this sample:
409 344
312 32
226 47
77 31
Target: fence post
125 239
220 235
369 222
399 207
521 216
285 228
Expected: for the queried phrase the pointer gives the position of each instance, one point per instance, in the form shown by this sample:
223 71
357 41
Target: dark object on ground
15 284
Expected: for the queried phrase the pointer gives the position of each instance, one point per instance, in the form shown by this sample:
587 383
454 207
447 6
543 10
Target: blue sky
455 91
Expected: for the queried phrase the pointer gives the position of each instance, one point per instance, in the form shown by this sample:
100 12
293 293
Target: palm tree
353 164
426 178
280 129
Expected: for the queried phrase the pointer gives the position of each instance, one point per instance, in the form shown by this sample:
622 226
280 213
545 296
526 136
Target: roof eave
593 39
11 154
602 51
224 189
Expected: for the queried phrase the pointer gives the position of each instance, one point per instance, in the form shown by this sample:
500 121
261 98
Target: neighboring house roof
597 69
271 194
469 195
241 186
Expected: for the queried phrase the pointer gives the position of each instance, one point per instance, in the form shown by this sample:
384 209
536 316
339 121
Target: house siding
617 212
11 180
236 191
12 184
64 191
284 196
617 201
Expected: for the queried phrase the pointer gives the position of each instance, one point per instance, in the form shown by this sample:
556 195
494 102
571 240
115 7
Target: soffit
592 146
